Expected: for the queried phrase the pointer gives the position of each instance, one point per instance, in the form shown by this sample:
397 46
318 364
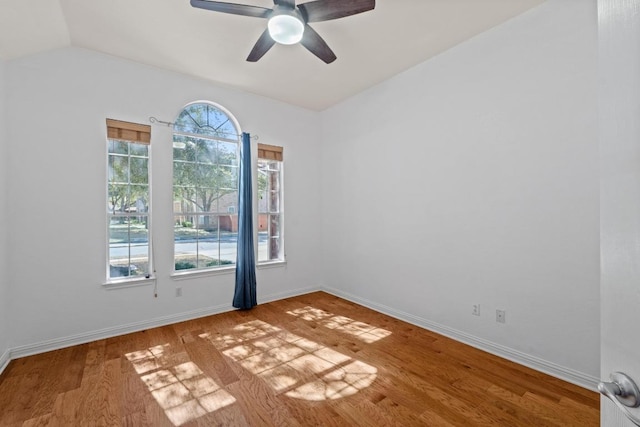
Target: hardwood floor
313 360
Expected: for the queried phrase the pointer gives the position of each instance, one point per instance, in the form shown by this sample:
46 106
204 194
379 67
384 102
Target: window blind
270 152
127 131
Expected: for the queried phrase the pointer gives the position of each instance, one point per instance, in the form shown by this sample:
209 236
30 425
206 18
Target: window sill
202 273
271 264
128 283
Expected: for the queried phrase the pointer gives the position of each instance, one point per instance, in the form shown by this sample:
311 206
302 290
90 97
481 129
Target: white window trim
192 274
127 282
254 167
265 265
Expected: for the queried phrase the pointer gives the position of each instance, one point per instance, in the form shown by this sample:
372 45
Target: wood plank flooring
312 360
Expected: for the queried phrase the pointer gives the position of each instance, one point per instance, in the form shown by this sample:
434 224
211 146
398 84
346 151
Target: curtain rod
172 124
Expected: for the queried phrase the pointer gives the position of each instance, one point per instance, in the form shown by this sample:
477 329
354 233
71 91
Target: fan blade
233 8
264 43
316 45
325 10
291 4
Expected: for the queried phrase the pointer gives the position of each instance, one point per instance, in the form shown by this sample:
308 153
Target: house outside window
205 188
270 206
128 200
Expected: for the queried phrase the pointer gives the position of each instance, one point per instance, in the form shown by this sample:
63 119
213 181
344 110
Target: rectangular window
128 200
270 209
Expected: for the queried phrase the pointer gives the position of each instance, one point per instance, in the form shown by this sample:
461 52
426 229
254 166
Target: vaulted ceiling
170 34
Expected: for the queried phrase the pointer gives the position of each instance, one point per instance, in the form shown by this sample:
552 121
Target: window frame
270 153
235 139
129 133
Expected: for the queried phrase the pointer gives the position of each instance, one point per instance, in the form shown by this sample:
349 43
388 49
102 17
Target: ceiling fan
289 24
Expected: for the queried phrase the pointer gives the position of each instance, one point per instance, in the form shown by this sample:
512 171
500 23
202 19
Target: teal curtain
245 292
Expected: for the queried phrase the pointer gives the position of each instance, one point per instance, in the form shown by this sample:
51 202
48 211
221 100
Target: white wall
473 179
59 101
4 283
619 126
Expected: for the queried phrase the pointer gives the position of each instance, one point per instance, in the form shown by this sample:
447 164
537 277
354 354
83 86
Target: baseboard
5 358
58 343
533 362
288 294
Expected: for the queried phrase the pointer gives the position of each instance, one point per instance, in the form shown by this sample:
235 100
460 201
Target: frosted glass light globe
285 29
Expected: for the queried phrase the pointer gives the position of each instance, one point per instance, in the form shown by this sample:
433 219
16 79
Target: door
619 137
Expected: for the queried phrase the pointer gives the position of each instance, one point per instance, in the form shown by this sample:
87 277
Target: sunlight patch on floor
363 331
240 333
296 366
339 383
183 391
148 359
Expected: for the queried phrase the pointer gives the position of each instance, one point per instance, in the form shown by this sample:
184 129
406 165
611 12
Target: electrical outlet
476 310
178 292
501 316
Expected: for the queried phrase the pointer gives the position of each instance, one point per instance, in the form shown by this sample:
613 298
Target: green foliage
187 224
184 265
204 167
202 173
215 262
121 270
128 175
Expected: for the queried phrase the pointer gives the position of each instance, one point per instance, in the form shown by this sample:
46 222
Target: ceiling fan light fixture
285 28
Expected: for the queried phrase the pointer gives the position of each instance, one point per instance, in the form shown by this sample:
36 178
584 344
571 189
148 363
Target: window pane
185 242
184 262
263 189
118 169
184 228
275 178
141 150
207 226
208 241
229 243
227 177
228 153
206 200
118 147
181 146
228 130
228 201
274 236
128 247
139 261
139 198
139 173
205 175
274 201
207 153
179 171
118 197
274 225
263 239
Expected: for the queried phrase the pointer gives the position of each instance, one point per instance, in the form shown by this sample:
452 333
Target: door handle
622 391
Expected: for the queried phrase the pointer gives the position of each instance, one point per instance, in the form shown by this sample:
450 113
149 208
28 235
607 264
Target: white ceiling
170 34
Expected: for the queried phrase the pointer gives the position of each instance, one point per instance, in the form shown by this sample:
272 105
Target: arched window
205 187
